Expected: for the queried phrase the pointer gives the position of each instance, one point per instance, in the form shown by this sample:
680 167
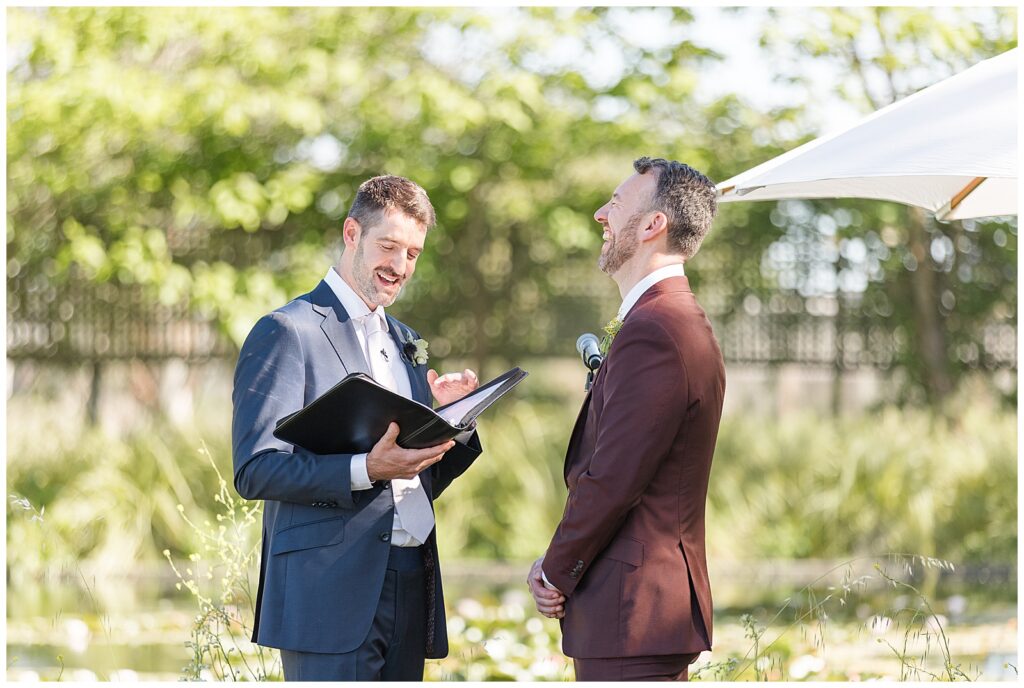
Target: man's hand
550 601
452 386
387 460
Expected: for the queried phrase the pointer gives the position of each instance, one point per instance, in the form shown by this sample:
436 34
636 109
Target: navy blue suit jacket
325 546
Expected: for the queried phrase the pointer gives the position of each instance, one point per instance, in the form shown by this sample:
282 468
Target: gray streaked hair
687 198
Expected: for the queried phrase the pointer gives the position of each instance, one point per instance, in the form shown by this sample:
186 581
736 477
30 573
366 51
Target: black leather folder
352 416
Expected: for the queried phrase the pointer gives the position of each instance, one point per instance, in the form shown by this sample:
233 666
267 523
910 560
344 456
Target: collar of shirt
350 300
675 270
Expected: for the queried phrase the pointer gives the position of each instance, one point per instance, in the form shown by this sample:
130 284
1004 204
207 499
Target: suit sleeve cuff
562 580
360 478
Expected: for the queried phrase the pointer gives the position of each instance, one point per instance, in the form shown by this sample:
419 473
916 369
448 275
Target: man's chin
377 296
386 300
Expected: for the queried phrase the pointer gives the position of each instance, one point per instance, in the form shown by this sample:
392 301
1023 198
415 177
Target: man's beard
621 247
363 275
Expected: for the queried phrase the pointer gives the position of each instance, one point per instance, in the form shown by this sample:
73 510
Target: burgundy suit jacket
629 551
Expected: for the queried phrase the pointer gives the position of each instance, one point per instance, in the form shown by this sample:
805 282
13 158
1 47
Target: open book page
457 410
466 409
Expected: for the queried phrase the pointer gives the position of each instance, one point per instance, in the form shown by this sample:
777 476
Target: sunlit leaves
241 135
201 123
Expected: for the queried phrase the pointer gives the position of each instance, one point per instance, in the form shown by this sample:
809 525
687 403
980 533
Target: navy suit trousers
393 649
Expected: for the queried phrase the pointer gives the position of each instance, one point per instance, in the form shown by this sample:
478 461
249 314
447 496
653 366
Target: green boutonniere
610 330
414 350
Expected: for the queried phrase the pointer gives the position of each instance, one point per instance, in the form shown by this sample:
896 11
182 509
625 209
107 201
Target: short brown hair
687 198
387 192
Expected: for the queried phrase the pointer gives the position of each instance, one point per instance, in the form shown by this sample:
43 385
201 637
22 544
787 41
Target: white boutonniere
414 350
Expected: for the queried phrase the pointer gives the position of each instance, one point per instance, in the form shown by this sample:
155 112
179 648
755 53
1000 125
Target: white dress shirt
359 313
675 270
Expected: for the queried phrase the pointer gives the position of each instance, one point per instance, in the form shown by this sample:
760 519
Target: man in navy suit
350 588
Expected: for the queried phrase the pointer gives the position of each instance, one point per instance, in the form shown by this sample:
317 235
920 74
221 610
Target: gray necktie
411 502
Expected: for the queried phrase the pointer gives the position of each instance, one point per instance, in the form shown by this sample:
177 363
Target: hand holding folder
353 415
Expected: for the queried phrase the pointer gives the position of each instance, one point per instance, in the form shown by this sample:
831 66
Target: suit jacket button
573 573
384 537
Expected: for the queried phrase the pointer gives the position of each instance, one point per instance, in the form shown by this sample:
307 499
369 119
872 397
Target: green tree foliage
941 287
208 156
793 489
211 155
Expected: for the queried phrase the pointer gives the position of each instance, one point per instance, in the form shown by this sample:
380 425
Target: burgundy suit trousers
658 668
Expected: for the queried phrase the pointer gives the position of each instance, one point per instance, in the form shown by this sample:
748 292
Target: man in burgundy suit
626 570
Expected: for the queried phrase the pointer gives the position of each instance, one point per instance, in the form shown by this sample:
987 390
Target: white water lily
804 665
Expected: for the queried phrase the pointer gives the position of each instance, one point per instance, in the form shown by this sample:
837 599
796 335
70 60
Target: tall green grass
507 504
110 503
892 481
801 486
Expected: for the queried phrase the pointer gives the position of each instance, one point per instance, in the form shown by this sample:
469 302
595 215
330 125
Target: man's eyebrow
615 196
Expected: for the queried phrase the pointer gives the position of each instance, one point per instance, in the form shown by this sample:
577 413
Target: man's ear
350 232
657 226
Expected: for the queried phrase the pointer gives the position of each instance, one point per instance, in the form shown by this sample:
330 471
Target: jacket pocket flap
328 531
627 550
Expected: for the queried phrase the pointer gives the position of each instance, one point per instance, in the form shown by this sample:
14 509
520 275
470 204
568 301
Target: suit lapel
339 329
577 428
417 381
418 385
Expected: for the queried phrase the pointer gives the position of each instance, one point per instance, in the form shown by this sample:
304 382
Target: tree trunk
837 379
930 341
92 404
839 330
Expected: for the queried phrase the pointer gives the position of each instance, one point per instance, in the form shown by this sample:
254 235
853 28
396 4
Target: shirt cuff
360 478
546 581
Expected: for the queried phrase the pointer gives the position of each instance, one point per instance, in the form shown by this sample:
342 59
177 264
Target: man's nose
398 263
602 214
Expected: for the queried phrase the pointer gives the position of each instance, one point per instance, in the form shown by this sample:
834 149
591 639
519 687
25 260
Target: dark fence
86 322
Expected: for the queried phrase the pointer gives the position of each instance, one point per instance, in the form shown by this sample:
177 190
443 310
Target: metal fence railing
87 322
